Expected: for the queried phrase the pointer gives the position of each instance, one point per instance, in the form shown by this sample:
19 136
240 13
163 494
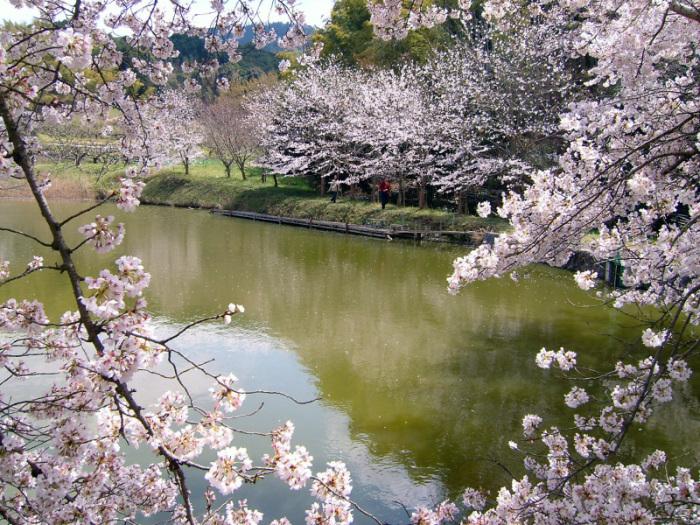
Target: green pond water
420 391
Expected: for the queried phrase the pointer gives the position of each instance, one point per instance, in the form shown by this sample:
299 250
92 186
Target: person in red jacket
384 189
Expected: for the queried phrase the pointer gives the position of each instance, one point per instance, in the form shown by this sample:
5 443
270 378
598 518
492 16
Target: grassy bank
67 182
207 187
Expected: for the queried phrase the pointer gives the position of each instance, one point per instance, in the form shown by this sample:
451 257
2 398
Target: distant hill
280 28
254 62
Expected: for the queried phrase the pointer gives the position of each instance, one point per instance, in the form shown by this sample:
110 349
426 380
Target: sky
317 11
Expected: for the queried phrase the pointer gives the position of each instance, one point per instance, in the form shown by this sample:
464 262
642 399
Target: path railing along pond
381 231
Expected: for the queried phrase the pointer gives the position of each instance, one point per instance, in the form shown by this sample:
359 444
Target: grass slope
207 187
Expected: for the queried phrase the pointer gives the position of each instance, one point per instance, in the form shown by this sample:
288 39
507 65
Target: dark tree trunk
461 203
422 195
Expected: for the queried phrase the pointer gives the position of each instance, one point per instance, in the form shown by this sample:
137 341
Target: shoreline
291 200
296 205
75 190
465 238
61 188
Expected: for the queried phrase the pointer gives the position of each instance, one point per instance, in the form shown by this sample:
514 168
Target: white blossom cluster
390 20
174 130
452 123
100 234
628 181
63 443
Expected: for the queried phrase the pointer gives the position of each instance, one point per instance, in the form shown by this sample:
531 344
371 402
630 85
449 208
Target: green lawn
208 187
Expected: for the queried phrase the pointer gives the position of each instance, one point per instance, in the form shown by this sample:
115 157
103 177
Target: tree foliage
230 133
473 113
349 38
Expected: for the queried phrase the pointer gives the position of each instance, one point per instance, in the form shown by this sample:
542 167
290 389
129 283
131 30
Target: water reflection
421 390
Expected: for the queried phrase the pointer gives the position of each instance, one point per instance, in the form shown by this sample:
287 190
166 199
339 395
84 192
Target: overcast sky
317 11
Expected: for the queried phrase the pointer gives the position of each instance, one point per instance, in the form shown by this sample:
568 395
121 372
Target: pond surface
420 391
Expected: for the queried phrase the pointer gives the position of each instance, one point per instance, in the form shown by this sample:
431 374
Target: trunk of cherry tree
227 165
274 176
461 203
401 201
186 164
323 186
241 167
263 176
422 193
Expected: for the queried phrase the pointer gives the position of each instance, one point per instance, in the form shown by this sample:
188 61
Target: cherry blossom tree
305 124
499 93
62 442
230 131
174 129
629 175
355 124
400 131
473 113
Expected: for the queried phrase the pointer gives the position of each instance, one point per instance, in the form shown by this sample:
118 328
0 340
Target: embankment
293 200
